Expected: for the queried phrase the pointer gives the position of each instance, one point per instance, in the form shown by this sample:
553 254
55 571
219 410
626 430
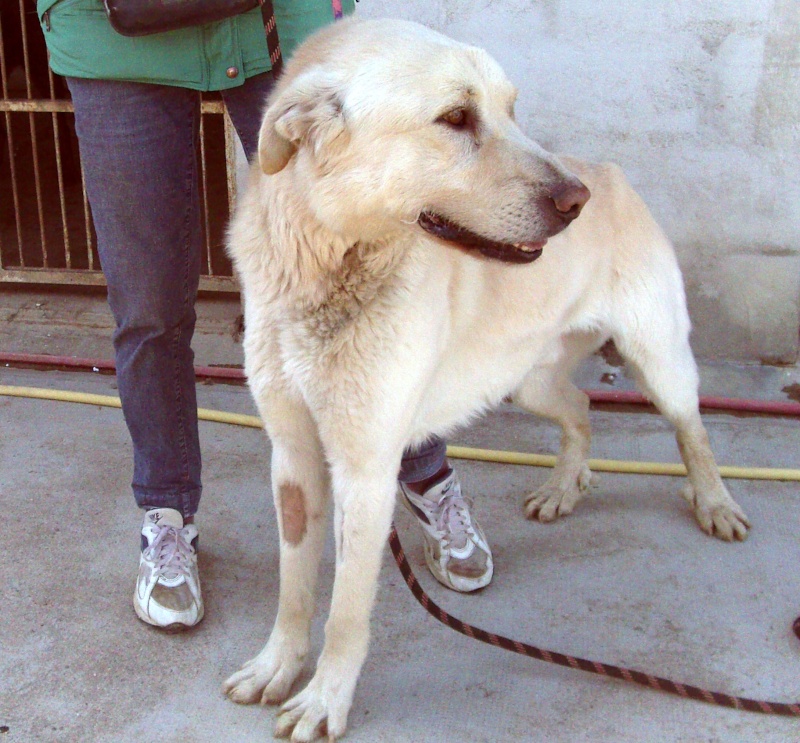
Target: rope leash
590 666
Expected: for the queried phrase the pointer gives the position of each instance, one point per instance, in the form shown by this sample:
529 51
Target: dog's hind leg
661 360
549 393
300 486
364 496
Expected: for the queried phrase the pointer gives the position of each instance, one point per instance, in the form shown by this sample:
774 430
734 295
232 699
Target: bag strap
273 42
271 30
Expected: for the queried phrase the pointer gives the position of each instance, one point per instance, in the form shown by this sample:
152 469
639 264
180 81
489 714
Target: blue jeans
137 145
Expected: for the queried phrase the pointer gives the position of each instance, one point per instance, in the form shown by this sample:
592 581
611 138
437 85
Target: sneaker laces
170 552
453 519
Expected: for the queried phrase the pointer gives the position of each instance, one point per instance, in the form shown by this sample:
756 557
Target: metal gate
46 231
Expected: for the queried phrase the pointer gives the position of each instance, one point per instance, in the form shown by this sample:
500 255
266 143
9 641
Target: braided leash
568 661
271 32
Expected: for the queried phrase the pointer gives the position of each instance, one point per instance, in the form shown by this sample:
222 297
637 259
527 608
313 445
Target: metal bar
87 216
22 104
37 180
60 174
36 106
25 60
32 124
12 164
51 276
204 194
82 277
61 199
218 284
3 76
4 92
212 107
59 168
230 160
11 160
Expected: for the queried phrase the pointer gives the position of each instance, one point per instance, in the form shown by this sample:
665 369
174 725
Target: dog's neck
328 279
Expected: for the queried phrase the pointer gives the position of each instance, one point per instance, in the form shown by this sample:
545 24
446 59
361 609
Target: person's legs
137 146
138 150
422 463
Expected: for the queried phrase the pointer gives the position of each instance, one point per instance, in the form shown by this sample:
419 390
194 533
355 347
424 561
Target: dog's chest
349 323
360 286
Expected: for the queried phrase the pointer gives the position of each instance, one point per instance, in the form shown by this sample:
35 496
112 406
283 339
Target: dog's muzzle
558 209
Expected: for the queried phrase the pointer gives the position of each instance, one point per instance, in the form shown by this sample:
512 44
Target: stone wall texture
699 102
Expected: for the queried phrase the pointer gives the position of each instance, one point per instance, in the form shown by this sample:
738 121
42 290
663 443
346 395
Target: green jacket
212 57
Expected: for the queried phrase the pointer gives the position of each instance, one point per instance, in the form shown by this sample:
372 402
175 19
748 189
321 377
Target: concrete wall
700 103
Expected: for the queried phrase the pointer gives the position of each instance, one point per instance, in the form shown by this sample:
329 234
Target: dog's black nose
569 199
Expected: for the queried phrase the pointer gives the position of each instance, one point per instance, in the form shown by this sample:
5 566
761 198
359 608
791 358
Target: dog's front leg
300 486
364 500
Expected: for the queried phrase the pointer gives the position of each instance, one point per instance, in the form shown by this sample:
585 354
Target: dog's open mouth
444 229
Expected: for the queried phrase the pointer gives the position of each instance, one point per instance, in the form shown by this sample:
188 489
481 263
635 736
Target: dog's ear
307 112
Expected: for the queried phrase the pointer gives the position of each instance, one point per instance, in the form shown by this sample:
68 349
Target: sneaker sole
170 629
464 585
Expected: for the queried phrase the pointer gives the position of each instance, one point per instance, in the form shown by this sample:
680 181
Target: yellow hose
457 452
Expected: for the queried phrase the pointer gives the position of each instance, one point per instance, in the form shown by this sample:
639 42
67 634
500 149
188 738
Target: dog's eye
458 118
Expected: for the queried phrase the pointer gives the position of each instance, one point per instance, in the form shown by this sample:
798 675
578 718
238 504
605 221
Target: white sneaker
456 549
168 587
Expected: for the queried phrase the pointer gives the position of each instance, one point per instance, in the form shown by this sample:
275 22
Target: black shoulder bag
144 17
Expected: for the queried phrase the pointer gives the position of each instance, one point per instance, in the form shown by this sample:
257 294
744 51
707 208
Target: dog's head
388 126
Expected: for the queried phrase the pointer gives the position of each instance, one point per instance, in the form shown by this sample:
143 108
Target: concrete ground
627 579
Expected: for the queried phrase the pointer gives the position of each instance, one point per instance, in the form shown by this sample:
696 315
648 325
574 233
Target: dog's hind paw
720 517
267 678
555 498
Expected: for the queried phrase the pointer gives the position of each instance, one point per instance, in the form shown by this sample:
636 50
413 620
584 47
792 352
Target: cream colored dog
408 258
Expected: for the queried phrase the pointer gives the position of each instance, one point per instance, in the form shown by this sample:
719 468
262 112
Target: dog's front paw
719 516
321 709
558 496
269 676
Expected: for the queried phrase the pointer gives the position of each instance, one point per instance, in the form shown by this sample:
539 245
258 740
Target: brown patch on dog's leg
293 512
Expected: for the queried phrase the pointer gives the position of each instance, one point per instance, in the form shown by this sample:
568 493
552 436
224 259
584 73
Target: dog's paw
556 498
268 677
720 516
320 710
